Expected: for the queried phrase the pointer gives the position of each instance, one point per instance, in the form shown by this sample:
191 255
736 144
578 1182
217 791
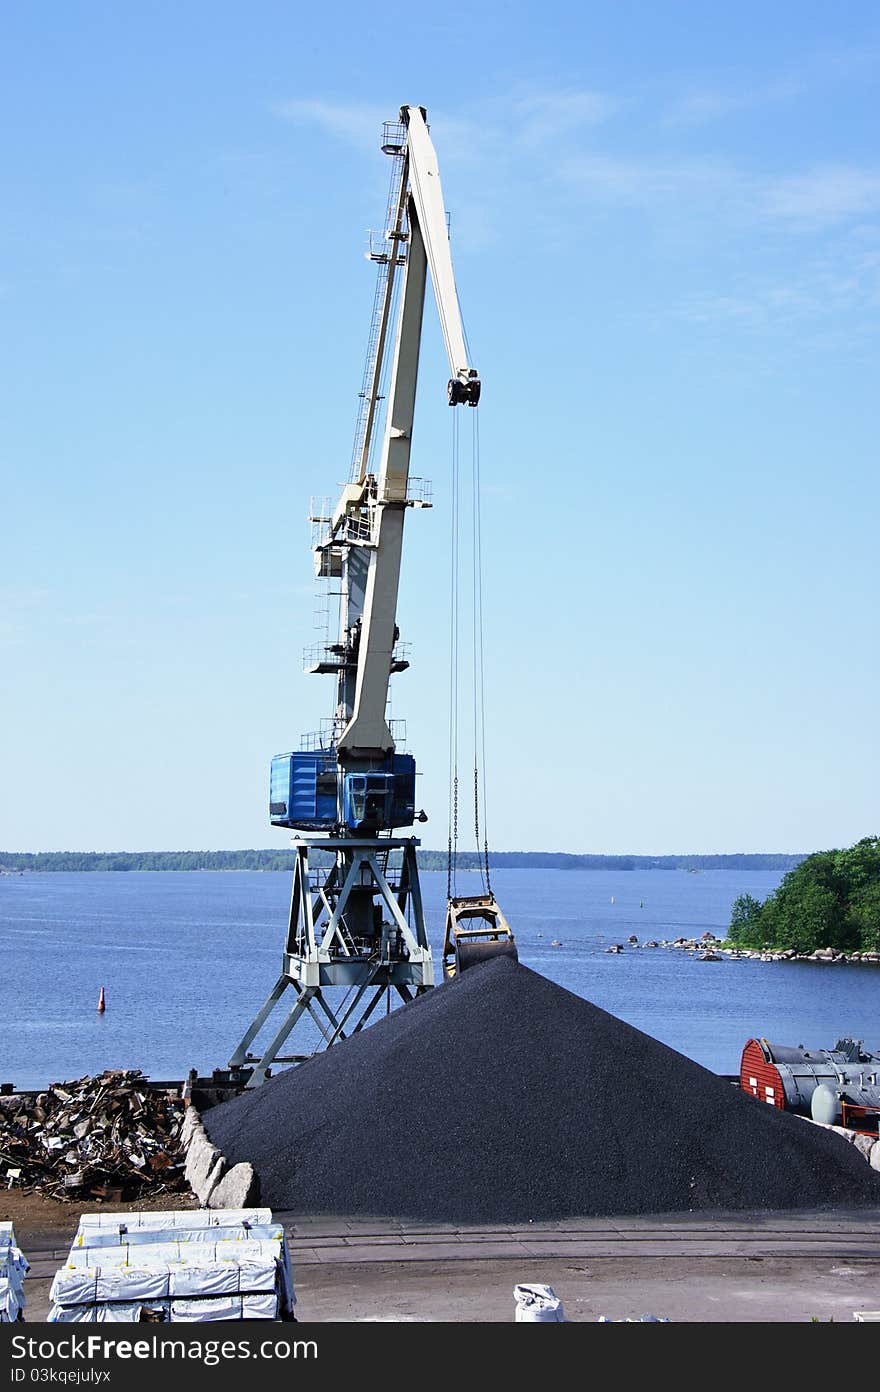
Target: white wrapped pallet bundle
235 1266
123 1254
130 1284
135 1312
14 1266
226 1307
191 1278
189 1219
74 1285
112 1240
73 1314
257 1277
259 1306
254 1249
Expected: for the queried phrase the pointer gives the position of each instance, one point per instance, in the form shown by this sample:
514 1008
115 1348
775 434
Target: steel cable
452 843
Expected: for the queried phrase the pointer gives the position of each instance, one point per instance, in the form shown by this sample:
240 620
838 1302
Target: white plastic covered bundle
121 1313
229 1307
143 1284
72 1314
260 1306
257 1277
117 1313
122 1254
230 1264
74 1285
92 1239
538 1305
188 1278
12 1296
188 1219
14 1266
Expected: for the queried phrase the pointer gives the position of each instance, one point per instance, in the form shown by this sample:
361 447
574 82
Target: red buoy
102 1006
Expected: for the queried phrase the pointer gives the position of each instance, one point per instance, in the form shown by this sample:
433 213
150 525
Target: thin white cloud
713 104
527 120
547 116
356 124
603 178
712 307
23 597
717 190
830 194
543 157
833 285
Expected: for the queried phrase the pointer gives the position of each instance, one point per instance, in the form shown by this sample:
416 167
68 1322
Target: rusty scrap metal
93 1138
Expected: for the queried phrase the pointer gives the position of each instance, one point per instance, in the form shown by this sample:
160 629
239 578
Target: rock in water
502 1097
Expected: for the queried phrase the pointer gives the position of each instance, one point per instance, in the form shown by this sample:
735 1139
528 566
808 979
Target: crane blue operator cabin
356 922
305 790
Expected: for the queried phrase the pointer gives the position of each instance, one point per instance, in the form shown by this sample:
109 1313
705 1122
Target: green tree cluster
832 899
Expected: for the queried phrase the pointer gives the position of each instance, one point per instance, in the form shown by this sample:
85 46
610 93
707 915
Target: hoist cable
479 661
476 639
452 845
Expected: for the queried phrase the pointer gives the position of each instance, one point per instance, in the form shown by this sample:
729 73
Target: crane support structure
356 920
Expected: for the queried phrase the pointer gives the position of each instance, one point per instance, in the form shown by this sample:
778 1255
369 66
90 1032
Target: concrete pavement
760 1267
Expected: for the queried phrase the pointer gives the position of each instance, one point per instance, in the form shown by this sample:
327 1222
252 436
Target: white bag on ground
538 1304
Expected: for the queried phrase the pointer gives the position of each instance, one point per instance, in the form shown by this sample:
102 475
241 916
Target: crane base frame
321 955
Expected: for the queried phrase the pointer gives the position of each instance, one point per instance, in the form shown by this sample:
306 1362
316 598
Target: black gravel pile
501 1097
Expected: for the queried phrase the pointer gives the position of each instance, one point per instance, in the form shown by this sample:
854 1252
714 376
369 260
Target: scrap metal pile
104 1137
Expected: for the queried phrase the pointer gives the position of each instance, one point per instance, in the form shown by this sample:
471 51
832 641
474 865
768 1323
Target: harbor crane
356 923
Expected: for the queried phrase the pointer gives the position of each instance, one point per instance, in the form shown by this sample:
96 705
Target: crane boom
365 732
427 195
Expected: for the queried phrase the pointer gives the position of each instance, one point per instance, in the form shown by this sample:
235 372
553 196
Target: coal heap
502 1097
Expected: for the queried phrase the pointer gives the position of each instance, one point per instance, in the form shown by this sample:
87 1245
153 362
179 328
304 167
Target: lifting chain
452 854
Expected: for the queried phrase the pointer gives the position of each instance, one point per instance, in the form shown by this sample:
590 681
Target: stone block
191 1120
239 1187
204 1165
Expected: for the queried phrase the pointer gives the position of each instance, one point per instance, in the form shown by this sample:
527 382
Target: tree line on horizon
282 858
831 899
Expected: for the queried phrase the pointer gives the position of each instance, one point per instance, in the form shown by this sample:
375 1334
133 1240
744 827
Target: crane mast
356 919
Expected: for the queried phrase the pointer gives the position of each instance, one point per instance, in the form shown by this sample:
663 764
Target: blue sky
666 232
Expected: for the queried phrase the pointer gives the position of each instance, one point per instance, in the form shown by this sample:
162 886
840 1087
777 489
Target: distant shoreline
19 862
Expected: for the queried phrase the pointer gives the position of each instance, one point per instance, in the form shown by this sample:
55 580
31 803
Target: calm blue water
186 959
